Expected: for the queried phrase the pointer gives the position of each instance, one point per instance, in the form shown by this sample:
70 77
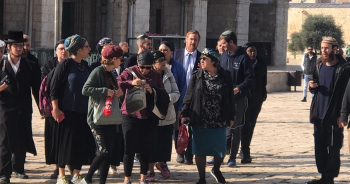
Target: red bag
182 140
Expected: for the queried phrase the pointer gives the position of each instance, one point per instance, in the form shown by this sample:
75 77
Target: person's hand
3 86
110 93
235 90
342 124
312 84
179 114
137 82
56 113
184 119
148 88
231 123
118 93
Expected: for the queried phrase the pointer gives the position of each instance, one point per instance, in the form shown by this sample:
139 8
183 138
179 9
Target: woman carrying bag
209 107
104 112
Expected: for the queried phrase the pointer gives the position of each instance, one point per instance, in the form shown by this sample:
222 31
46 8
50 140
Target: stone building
261 21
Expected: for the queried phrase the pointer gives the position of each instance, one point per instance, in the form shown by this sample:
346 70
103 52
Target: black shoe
246 160
188 161
54 175
218 176
4 180
315 182
21 175
71 170
201 181
304 99
180 158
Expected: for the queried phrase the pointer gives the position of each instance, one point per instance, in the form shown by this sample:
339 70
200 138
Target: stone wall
171 17
14 15
262 22
43 24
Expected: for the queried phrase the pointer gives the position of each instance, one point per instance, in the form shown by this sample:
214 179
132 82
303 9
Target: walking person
189 58
236 60
51 132
308 65
104 42
20 83
70 107
100 85
139 127
328 84
209 107
257 96
144 43
164 129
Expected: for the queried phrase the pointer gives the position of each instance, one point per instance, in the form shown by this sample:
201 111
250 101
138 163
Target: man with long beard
328 84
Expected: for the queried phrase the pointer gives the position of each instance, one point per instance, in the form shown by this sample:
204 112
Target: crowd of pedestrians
95 120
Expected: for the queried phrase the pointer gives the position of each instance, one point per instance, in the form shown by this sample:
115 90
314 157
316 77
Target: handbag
99 118
135 97
182 140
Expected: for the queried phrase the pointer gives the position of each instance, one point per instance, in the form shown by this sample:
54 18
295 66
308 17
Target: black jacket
258 92
17 98
241 68
130 61
340 80
48 66
193 101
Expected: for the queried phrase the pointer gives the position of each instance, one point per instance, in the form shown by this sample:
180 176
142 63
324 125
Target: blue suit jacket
179 57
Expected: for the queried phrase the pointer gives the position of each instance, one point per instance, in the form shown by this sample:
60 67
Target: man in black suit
16 108
189 58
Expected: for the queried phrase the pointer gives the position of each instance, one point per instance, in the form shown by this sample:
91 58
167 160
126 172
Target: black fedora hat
15 36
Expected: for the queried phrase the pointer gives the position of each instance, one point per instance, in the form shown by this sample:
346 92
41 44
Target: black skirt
77 145
51 140
164 143
139 135
118 147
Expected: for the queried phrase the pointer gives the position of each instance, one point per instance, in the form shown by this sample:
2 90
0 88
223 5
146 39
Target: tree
313 29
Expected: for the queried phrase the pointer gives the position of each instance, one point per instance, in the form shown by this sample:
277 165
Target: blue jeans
306 84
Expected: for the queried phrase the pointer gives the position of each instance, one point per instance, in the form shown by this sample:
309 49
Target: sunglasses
145 67
203 58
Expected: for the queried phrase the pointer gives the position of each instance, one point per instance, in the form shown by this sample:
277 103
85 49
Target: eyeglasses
203 58
164 50
309 49
17 45
145 67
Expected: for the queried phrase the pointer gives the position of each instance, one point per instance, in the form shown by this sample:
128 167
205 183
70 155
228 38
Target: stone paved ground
282 149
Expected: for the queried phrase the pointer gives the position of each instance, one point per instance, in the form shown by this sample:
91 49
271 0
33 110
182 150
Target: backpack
45 105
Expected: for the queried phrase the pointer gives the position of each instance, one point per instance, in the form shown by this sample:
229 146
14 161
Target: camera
5 79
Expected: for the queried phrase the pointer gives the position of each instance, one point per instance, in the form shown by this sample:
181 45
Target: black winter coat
193 102
47 67
340 80
17 98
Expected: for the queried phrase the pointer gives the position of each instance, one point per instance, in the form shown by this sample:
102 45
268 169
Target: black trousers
5 159
251 115
233 135
328 142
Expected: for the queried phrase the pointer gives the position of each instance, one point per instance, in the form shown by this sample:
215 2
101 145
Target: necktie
189 68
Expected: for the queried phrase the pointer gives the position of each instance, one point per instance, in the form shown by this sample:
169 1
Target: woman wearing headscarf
51 126
99 48
76 145
257 96
100 85
164 130
139 127
209 108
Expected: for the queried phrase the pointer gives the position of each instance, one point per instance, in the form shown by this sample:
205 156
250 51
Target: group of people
217 93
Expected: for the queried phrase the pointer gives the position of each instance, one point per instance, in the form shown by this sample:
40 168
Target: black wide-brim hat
15 36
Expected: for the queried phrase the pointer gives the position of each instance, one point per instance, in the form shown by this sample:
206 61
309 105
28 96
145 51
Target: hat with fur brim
15 36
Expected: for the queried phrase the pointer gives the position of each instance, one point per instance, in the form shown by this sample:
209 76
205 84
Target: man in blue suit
189 58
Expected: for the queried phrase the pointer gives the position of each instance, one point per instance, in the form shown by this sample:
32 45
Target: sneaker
188 162
304 99
62 180
246 160
218 176
112 169
201 181
21 175
315 182
54 175
231 163
136 160
84 182
76 180
211 162
151 177
4 180
180 158
163 171
144 182
127 182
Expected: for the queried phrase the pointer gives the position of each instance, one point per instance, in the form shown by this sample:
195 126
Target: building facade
261 21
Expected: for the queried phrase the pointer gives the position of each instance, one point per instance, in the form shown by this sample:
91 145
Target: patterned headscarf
103 42
329 40
212 54
74 43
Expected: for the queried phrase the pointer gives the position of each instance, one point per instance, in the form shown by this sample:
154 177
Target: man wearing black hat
19 79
